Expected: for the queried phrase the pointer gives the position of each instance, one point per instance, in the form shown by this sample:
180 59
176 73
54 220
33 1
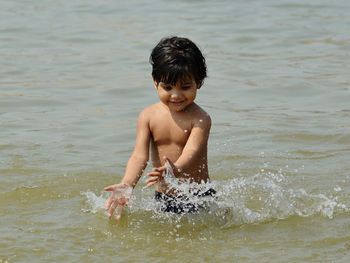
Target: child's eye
185 87
167 88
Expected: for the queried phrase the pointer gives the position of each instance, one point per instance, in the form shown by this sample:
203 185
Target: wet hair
176 59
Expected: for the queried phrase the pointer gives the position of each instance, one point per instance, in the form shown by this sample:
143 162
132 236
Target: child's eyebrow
182 84
187 84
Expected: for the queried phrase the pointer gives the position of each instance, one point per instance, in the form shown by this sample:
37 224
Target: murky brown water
75 74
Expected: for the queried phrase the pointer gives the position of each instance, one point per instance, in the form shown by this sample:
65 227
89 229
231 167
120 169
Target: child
175 130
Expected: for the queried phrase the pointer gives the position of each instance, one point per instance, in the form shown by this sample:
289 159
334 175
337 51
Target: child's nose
175 94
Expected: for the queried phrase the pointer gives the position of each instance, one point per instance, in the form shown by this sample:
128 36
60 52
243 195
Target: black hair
176 58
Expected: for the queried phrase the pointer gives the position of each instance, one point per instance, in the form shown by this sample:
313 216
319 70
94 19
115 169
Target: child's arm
135 166
139 158
196 143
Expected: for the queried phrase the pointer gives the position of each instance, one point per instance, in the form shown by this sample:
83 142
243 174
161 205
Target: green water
75 74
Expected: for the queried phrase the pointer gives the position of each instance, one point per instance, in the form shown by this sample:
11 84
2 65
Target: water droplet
337 188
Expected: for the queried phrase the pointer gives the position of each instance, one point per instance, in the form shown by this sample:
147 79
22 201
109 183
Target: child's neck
183 111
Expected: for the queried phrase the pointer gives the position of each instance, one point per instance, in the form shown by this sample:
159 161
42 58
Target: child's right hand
119 198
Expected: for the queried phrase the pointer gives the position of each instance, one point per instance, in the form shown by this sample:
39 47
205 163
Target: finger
112 209
161 169
153 178
108 203
151 181
118 212
109 188
157 174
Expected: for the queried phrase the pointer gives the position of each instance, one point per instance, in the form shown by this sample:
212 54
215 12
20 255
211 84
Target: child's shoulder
148 112
200 115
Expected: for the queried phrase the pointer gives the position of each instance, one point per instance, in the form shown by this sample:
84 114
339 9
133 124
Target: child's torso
169 134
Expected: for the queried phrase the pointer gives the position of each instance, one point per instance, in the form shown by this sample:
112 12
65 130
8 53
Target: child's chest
169 130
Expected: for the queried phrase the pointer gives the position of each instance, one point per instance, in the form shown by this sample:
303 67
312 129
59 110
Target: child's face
177 97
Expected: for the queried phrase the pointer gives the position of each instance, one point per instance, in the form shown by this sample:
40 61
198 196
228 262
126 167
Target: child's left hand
155 176
157 173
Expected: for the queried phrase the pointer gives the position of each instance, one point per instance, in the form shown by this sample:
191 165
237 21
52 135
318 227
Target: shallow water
75 74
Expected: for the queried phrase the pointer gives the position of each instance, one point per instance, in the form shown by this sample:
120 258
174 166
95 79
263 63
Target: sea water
75 74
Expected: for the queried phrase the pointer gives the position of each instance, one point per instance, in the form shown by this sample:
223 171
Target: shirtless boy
175 129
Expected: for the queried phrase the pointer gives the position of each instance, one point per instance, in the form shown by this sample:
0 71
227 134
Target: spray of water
243 200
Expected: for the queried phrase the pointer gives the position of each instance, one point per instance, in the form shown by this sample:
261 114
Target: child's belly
159 152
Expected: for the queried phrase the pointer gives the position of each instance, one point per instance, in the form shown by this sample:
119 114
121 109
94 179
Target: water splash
266 197
95 203
256 199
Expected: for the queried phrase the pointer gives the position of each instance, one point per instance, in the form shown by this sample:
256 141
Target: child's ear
155 84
